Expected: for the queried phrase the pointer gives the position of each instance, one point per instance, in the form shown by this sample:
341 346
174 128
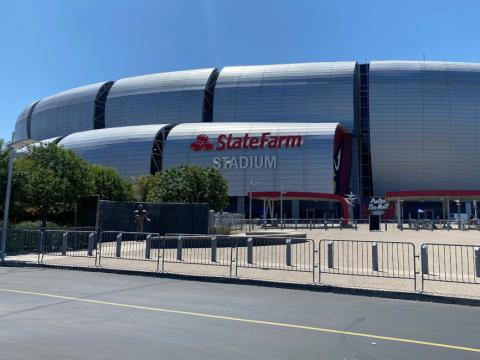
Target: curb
386 294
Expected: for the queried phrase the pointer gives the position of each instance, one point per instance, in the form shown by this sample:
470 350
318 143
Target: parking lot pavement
50 314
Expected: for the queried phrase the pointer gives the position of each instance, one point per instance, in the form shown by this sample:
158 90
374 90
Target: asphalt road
62 314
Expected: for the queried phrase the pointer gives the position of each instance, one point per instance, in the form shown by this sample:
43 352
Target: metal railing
24 242
367 258
453 263
429 224
139 246
450 263
198 250
289 254
68 243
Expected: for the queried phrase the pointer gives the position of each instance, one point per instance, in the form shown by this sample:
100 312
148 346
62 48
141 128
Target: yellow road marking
249 321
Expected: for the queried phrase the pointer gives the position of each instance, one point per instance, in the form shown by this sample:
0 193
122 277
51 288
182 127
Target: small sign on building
376 208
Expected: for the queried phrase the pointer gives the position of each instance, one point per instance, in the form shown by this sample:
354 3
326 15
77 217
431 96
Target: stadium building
295 138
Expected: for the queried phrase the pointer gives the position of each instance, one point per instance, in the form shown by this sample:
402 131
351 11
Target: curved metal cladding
172 97
65 113
424 125
272 156
127 149
309 92
22 126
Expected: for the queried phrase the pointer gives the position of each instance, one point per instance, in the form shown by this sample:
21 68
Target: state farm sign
230 142
246 142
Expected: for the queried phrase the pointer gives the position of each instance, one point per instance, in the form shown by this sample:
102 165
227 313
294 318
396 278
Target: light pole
11 157
281 204
458 202
252 184
401 213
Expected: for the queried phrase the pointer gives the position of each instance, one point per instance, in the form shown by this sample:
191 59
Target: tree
109 185
191 184
217 190
50 180
143 186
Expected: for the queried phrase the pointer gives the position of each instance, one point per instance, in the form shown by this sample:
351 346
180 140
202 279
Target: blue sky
49 46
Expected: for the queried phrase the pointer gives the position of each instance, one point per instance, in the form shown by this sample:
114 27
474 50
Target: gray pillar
444 209
240 205
468 208
295 209
398 211
448 208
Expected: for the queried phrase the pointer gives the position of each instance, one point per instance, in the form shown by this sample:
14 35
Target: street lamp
13 146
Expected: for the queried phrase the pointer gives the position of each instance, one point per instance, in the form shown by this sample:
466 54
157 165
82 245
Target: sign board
377 206
230 142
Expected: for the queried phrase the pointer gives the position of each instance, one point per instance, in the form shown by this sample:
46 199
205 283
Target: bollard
375 256
330 254
296 223
311 225
148 246
386 226
288 252
424 258
325 227
118 252
179 248
64 243
341 223
91 240
476 250
214 249
250 250
355 225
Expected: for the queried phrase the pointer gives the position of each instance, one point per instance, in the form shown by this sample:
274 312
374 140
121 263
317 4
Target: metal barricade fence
367 258
450 263
397 260
23 242
197 250
293 254
68 243
129 246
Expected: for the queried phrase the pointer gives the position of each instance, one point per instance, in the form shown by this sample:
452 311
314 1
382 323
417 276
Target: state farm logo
202 142
230 142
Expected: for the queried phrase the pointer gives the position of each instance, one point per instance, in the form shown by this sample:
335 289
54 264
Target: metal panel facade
308 92
65 113
308 167
127 149
21 126
172 97
424 125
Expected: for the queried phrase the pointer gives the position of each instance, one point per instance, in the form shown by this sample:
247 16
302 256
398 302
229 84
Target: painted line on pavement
249 321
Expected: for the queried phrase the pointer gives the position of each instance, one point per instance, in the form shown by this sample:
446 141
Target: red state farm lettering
228 142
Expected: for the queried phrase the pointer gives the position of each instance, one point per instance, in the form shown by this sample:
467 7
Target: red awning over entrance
294 195
416 195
